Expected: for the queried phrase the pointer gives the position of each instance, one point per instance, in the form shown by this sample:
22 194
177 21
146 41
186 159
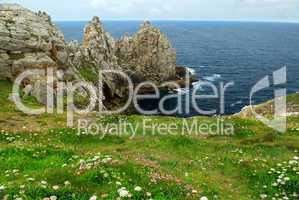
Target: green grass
40 158
88 74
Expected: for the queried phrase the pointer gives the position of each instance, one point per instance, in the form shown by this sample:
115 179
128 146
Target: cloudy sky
253 10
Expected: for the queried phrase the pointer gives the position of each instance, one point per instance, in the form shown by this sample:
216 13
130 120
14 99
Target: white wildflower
292 162
94 197
44 182
55 187
118 183
137 189
53 198
286 178
123 192
106 160
2 187
275 184
67 183
148 194
204 198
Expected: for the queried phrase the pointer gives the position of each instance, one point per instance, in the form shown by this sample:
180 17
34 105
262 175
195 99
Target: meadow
42 159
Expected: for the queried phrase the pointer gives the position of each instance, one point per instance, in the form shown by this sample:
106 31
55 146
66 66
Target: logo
279 122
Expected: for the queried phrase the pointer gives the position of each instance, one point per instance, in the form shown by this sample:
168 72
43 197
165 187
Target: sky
236 10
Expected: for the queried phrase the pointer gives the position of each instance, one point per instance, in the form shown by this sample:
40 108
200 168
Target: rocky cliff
30 40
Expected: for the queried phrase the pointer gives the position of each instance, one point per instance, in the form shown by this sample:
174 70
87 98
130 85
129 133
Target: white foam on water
212 78
198 85
236 103
182 91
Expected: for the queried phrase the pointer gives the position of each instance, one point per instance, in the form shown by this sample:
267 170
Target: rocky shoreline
30 40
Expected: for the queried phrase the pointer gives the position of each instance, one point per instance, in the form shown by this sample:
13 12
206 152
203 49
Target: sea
236 53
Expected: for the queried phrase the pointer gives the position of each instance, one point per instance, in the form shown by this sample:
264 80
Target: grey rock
28 90
30 40
40 90
97 53
148 54
31 34
5 66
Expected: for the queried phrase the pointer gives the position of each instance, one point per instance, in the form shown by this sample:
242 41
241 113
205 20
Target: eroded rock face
97 53
148 53
28 40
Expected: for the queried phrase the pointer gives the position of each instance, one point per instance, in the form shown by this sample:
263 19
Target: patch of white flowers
94 197
204 198
94 161
123 192
2 187
285 177
138 189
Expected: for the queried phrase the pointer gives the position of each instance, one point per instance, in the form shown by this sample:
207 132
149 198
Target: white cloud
97 3
142 8
281 10
284 3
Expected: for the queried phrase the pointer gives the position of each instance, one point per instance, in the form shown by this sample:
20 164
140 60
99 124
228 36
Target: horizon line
181 20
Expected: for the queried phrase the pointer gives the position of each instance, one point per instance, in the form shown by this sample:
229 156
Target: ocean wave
198 85
206 66
236 103
212 78
182 91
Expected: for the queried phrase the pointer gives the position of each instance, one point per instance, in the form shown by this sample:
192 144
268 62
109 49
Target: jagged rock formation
148 54
95 54
28 40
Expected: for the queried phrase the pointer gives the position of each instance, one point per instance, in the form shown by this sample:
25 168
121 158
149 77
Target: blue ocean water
242 52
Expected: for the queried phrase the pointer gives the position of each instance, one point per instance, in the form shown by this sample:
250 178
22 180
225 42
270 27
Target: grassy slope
35 149
267 108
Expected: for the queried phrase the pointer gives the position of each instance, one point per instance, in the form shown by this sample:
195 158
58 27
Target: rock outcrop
267 109
148 54
28 40
97 53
